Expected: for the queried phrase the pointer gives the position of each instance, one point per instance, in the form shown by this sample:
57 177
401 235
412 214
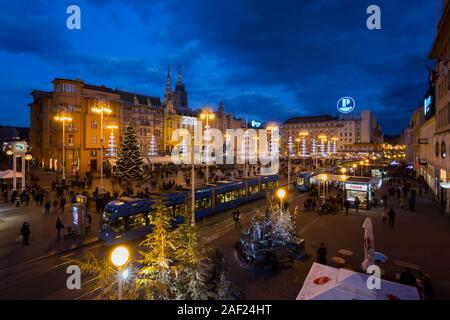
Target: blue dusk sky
267 60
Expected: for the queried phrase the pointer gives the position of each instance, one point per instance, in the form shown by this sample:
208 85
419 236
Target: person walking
236 217
392 215
59 226
402 203
322 254
25 231
346 206
47 207
357 202
62 204
384 215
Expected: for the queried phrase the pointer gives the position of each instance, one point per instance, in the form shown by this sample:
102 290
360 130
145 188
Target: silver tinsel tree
152 149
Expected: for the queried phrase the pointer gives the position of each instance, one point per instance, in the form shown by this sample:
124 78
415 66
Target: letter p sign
374 20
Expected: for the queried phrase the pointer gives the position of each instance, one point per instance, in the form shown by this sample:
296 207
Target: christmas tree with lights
129 160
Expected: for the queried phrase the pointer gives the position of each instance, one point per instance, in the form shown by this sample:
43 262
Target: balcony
72 129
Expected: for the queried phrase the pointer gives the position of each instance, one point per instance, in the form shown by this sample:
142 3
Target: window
93 139
253 190
202 203
443 150
71 139
230 196
118 225
136 221
94 124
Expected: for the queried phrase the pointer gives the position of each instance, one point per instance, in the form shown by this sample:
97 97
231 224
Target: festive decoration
112 150
274 228
129 160
314 147
303 148
290 146
329 147
152 147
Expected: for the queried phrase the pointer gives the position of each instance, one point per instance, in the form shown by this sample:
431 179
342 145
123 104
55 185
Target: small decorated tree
152 147
129 160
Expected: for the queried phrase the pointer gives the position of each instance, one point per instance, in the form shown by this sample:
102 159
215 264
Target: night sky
268 60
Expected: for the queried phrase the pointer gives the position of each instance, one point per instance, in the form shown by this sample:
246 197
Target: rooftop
308 119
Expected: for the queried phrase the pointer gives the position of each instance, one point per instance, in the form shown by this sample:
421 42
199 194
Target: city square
180 173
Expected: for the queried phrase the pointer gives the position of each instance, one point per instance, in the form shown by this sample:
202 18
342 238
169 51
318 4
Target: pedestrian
236 217
384 215
346 206
357 202
59 226
322 254
62 204
89 220
412 203
402 203
47 207
17 201
392 215
25 231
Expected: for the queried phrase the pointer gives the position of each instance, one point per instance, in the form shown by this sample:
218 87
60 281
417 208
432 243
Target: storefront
360 187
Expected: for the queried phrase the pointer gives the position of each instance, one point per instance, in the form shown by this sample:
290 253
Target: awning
9 174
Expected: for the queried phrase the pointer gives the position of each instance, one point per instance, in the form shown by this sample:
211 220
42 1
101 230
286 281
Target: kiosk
79 209
360 187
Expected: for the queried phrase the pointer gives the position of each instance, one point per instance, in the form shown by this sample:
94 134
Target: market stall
329 283
362 188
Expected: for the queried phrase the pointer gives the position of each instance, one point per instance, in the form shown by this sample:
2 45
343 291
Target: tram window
118 225
105 219
202 203
180 209
263 186
136 221
253 189
300 181
241 193
149 218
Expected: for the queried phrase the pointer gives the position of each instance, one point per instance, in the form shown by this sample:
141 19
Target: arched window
443 150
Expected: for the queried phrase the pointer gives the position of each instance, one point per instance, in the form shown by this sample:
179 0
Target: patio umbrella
369 247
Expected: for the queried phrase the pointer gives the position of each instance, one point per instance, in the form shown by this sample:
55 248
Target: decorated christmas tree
271 229
152 147
129 160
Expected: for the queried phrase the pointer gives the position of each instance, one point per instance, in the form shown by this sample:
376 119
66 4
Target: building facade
77 100
440 53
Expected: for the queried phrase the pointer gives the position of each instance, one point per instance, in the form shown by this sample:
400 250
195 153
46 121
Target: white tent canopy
9 174
328 283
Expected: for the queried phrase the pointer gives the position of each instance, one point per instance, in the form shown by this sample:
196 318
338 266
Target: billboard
429 103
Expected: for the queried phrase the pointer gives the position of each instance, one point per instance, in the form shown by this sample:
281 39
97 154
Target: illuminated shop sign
357 187
428 104
255 124
346 105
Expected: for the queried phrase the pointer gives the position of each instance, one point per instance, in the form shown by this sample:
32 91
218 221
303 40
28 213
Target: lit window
94 139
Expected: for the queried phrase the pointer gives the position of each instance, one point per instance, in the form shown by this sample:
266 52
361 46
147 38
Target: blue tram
304 179
131 218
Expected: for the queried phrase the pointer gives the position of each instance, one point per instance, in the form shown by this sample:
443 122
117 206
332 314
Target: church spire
168 90
180 81
168 87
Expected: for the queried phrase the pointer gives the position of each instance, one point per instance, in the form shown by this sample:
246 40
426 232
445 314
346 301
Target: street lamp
324 178
101 109
10 153
63 119
354 166
281 194
362 164
28 157
322 139
207 115
120 257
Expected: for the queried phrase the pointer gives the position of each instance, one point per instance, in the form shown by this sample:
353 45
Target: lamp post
281 194
10 153
119 258
101 109
361 164
193 181
63 119
28 158
207 115
324 178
